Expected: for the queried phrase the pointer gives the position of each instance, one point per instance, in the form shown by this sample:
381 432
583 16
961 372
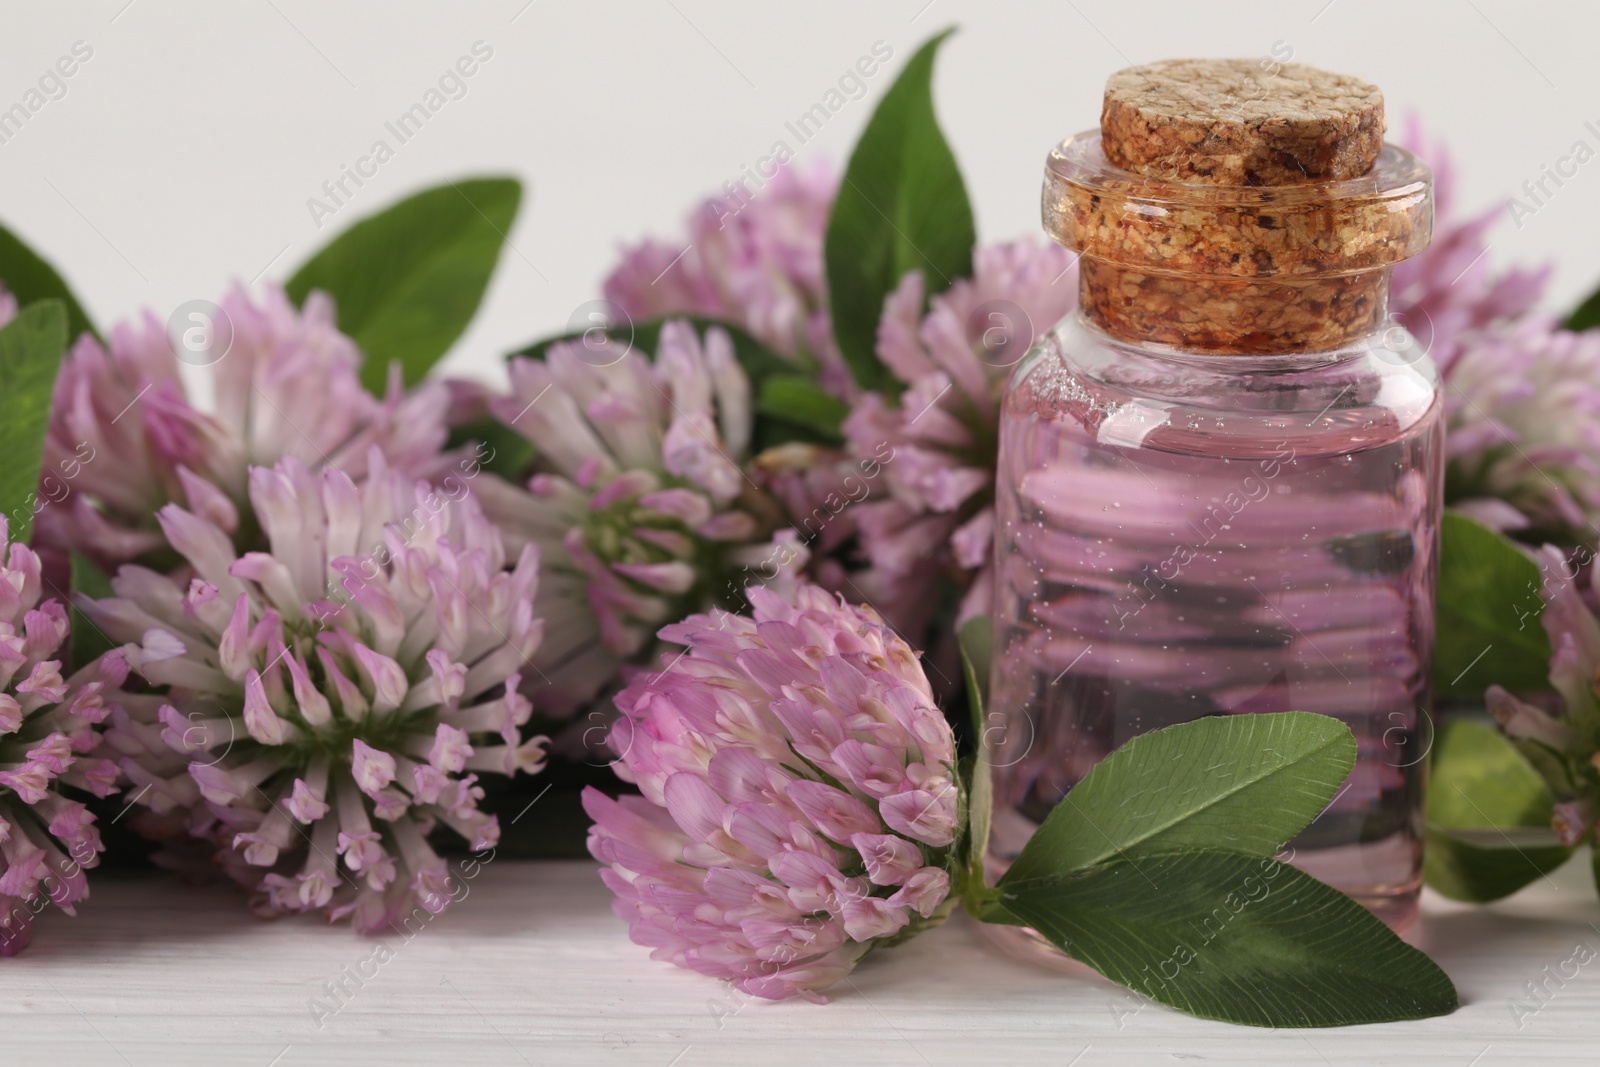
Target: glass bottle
1219 492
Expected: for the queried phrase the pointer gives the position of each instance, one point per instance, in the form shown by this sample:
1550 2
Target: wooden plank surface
532 968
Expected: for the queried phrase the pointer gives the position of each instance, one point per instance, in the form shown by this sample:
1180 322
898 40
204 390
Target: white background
185 150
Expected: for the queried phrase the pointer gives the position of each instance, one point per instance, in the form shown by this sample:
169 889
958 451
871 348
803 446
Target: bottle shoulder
1378 390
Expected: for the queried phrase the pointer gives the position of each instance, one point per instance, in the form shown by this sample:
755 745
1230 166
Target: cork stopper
1231 122
1223 210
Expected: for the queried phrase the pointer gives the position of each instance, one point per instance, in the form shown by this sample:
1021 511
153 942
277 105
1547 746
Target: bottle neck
1226 315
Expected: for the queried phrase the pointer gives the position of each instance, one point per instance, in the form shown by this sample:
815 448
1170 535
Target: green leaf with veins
1239 938
1245 783
902 207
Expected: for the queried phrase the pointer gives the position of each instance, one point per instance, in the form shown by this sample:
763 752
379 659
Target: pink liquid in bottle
1181 536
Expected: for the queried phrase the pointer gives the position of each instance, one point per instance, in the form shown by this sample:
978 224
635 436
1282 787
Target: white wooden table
532 968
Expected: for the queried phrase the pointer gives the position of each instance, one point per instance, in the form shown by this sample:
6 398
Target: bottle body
1181 535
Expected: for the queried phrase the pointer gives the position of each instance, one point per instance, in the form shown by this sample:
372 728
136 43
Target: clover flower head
329 701
799 796
126 438
1523 448
753 258
641 506
1452 291
48 740
1520 393
943 430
